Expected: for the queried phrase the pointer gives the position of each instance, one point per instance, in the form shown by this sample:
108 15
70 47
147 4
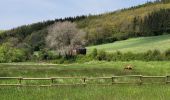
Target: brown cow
128 67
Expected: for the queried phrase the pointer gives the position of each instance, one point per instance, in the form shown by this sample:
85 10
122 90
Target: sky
15 13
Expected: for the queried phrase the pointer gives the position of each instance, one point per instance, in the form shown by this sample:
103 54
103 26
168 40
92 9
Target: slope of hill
136 45
123 16
120 23
104 28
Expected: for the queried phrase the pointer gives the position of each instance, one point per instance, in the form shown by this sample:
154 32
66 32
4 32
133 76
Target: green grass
123 92
90 69
136 44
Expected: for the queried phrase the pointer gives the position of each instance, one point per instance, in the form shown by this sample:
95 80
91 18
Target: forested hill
144 20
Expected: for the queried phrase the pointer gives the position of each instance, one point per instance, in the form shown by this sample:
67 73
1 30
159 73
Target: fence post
84 81
112 80
166 79
52 81
141 81
20 81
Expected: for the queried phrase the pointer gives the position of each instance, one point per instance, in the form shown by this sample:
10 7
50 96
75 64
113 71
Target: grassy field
136 44
117 92
90 69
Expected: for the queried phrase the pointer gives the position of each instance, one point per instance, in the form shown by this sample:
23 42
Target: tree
64 36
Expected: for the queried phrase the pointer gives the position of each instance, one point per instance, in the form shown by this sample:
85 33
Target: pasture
136 45
90 69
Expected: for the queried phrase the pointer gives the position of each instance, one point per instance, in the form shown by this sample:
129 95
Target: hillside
120 17
133 22
121 24
136 45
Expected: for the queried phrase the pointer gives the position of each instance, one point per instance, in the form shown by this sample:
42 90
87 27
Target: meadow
117 92
136 45
89 69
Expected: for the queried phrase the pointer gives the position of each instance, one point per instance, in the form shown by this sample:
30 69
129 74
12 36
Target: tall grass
93 68
117 92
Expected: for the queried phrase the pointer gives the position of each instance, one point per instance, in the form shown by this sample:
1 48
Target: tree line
156 23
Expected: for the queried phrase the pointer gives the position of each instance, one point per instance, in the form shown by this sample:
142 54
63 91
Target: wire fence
70 81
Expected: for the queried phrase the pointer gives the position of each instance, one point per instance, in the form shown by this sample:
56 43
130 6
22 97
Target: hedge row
150 55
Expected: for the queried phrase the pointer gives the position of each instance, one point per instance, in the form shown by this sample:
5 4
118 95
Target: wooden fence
61 81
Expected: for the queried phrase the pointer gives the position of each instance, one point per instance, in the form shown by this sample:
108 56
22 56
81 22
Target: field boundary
53 81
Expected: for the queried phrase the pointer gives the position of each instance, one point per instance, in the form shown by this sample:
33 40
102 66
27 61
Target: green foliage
83 58
94 53
150 55
36 40
45 55
9 54
156 23
154 55
101 55
167 54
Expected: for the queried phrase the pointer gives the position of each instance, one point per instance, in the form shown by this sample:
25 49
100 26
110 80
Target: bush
45 55
84 58
94 53
101 55
167 54
59 61
129 56
117 56
9 54
154 55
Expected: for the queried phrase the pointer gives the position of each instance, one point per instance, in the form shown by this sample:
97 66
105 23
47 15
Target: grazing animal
128 67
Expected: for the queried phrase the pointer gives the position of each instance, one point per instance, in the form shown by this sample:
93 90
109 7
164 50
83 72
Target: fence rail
69 81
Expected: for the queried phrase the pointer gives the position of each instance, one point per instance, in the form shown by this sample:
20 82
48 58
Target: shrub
128 56
109 56
84 58
45 55
59 61
94 53
117 56
167 54
157 55
101 55
9 54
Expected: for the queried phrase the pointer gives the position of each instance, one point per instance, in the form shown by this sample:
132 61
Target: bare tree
64 36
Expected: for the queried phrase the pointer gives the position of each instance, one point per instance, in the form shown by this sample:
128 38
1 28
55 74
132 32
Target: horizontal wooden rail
36 78
54 81
66 77
10 77
99 78
127 76
154 76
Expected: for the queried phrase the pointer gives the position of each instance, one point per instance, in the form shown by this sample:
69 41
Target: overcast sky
14 13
